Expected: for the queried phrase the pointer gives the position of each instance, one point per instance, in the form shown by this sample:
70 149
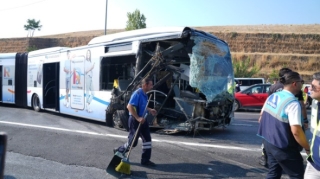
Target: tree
31 26
136 20
274 74
242 68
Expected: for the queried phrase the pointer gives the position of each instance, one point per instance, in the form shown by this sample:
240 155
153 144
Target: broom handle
135 135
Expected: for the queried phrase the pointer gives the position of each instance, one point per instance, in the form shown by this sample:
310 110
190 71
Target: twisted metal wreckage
193 88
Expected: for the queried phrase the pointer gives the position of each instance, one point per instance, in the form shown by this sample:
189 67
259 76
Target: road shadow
213 170
254 110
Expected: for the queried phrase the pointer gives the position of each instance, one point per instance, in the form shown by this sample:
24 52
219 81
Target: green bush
274 74
243 69
234 34
32 48
276 36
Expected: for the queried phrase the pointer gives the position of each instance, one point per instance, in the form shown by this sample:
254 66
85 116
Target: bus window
115 68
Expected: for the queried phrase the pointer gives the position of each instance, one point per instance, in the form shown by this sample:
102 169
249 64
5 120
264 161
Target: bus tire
120 119
109 120
36 103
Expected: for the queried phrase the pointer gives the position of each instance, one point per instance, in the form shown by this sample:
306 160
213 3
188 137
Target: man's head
147 84
284 71
315 86
292 82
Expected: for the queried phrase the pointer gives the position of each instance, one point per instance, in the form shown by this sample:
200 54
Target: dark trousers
144 133
288 160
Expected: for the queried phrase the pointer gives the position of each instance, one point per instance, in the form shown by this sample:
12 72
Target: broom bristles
124 167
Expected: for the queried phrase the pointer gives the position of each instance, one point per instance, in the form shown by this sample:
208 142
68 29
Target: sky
64 16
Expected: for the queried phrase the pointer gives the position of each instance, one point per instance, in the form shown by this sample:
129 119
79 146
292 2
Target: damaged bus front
193 82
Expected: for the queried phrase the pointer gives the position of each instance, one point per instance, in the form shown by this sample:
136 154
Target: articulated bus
192 73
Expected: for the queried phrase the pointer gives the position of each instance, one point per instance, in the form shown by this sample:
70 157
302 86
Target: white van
246 82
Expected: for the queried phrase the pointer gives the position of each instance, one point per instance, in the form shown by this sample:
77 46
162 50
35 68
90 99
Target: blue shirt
139 100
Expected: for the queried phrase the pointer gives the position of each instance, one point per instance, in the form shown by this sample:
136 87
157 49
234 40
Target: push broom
124 166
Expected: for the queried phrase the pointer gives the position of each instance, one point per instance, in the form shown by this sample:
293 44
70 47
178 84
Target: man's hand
141 120
299 136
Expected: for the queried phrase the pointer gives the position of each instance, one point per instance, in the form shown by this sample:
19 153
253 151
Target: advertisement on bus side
8 84
79 84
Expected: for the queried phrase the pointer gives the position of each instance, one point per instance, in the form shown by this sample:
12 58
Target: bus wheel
109 121
120 119
36 103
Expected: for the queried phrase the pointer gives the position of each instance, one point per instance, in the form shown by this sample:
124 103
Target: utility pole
105 26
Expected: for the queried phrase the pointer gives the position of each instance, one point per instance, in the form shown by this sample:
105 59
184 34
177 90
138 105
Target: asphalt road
50 145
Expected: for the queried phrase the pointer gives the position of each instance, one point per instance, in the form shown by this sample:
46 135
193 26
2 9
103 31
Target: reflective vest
274 125
231 88
315 130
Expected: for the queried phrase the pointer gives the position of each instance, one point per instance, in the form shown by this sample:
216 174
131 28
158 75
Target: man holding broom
137 107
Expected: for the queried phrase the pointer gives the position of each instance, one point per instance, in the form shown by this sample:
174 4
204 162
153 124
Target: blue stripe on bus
94 98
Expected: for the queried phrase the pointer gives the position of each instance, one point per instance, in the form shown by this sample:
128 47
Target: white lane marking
61 129
120 136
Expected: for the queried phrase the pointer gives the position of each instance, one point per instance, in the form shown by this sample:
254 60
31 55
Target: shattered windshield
211 68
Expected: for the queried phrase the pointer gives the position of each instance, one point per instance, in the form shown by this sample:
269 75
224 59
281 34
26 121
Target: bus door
51 85
0 83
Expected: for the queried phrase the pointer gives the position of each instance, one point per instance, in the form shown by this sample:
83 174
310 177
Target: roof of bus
7 55
138 34
47 50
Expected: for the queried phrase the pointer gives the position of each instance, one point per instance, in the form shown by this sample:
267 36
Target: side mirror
248 92
3 147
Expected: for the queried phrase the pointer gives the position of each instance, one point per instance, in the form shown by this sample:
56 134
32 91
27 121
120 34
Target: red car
252 97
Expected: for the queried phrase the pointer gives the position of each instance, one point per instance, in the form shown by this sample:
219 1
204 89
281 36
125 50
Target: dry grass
306 65
283 29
